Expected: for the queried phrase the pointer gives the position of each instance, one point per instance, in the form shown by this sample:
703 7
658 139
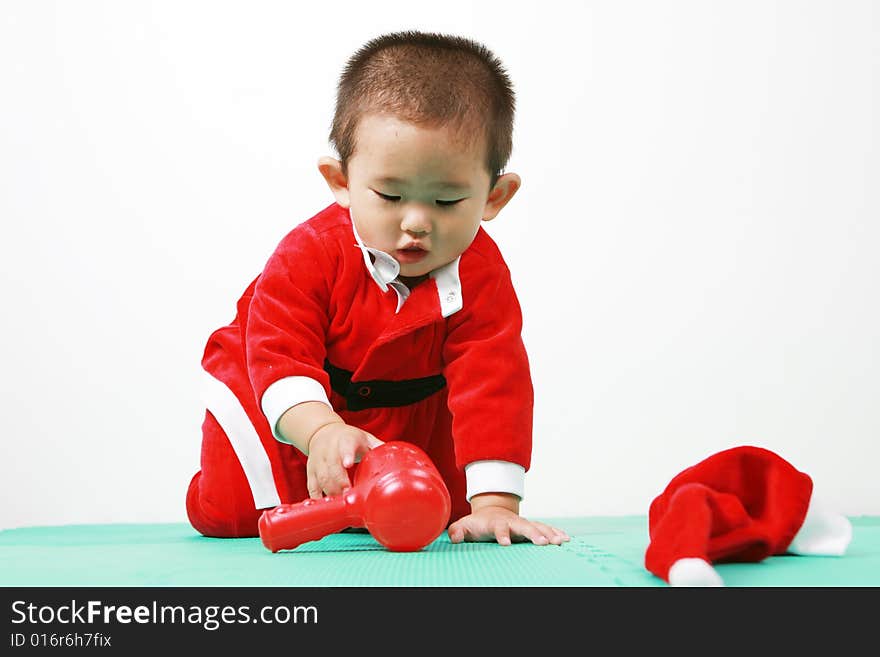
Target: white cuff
288 392
494 477
823 533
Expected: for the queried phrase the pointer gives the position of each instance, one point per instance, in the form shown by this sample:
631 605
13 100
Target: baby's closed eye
393 198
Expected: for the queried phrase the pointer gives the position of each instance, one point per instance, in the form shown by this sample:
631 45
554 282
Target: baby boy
389 315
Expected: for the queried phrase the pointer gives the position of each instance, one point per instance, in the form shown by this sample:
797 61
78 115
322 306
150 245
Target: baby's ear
331 169
504 189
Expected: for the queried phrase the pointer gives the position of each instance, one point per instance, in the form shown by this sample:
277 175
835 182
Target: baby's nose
417 223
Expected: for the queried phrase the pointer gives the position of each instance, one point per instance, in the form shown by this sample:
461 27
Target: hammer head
405 502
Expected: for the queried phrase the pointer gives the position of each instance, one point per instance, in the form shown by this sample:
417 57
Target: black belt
381 394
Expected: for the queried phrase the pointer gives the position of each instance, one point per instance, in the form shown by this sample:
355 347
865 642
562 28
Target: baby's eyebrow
449 184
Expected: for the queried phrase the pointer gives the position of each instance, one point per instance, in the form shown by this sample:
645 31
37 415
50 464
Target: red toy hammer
397 494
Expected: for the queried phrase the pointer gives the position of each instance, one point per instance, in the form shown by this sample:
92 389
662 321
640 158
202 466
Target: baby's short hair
427 79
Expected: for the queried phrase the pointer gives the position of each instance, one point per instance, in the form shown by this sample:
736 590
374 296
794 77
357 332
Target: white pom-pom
694 572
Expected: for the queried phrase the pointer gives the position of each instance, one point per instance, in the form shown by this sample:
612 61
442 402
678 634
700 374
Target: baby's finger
563 537
358 449
373 442
561 533
456 532
363 446
312 484
348 452
555 536
502 533
335 479
530 531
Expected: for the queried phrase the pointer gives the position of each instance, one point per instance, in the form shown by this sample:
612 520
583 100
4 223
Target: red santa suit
442 366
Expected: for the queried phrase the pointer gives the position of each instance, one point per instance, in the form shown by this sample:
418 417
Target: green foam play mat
603 552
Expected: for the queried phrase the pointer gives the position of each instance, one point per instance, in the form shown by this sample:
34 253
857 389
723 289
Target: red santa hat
742 504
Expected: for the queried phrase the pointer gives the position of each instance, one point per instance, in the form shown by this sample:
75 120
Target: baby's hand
497 523
333 448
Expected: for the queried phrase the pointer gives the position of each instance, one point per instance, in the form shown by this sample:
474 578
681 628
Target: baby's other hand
332 449
496 523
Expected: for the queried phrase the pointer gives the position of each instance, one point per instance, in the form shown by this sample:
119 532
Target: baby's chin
423 268
415 271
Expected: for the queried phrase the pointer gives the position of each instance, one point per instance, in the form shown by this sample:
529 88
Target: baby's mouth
411 253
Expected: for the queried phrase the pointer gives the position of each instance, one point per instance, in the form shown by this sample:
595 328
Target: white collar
384 269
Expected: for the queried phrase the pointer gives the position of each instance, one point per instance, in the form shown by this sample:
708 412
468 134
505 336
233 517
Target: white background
695 244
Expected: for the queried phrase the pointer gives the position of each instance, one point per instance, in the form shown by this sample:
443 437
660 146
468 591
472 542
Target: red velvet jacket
316 300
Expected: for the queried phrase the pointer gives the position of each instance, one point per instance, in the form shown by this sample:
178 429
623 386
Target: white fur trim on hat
823 533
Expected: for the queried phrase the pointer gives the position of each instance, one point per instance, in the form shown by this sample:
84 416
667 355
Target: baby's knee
220 514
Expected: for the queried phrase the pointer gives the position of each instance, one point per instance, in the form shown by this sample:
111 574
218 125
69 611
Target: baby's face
416 193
